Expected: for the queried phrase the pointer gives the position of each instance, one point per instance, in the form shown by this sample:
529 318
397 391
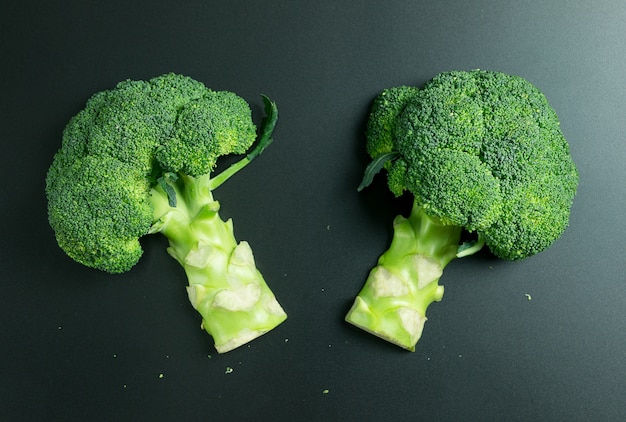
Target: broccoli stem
263 141
392 304
225 286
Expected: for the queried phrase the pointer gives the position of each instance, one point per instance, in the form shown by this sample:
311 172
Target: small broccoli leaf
167 184
470 247
267 127
155 174
374 167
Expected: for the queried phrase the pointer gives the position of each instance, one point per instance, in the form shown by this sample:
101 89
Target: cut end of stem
393 302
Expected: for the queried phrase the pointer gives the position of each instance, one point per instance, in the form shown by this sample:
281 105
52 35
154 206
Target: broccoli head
217 124
480 152
99 224
121 143
137 160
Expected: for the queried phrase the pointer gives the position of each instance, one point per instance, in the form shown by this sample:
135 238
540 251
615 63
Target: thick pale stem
393 302
225 286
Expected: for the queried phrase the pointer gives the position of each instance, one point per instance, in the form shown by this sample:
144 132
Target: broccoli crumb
229 370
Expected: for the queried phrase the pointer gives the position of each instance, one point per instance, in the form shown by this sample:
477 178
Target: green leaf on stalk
267 127
374 167
167 182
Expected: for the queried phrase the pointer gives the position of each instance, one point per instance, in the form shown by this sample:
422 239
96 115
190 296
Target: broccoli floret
99 224
387 106
137 160
481 153
217 124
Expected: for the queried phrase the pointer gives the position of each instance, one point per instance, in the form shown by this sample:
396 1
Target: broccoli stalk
392 304
225 286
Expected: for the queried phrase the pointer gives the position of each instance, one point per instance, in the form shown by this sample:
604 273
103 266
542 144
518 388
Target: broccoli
138 160
484 161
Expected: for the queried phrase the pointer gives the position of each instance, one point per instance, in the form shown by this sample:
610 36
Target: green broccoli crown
219 123
386 108
99 224
112 151
484 151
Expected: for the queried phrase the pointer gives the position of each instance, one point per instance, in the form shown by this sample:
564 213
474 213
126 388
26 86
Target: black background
78 344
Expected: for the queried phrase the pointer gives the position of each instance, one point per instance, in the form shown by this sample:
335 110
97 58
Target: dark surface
77 344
